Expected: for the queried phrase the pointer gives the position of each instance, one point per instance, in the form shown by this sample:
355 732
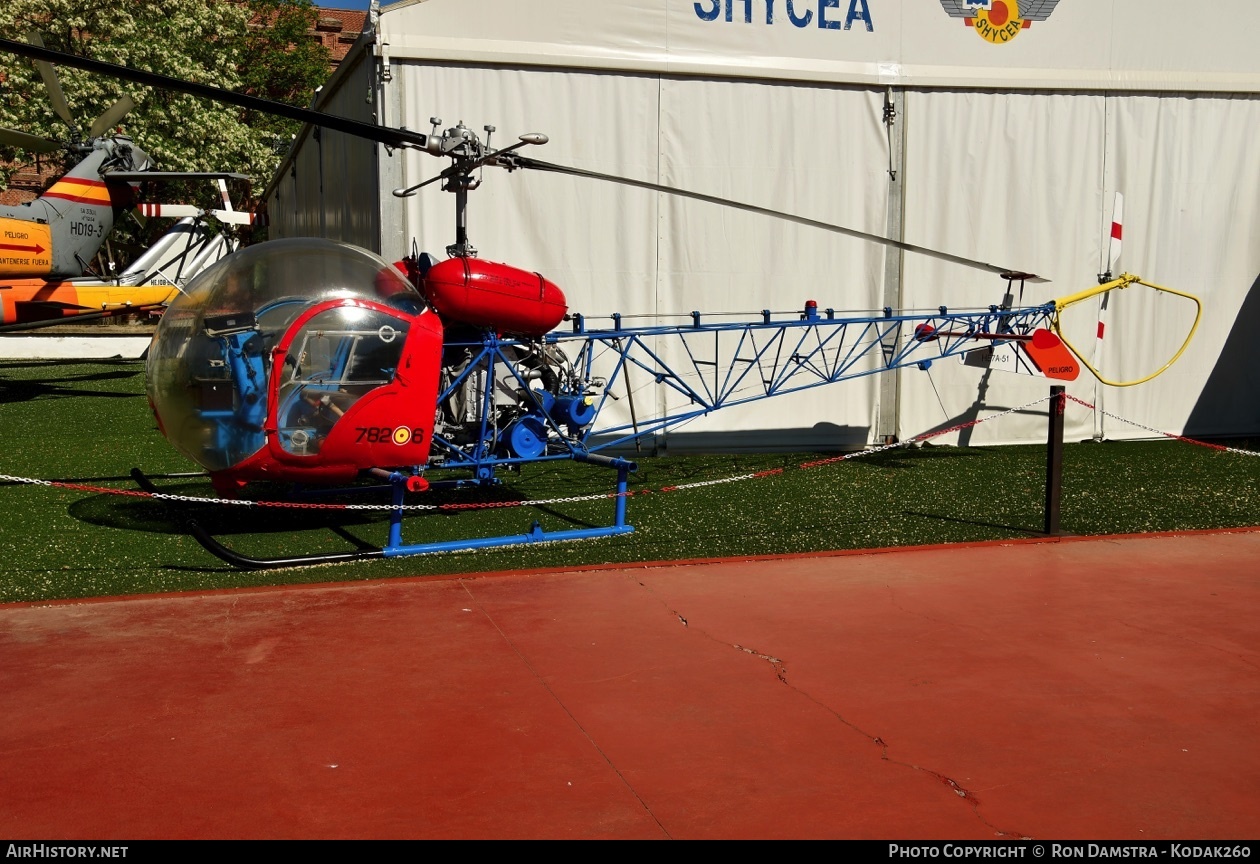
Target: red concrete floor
1102 689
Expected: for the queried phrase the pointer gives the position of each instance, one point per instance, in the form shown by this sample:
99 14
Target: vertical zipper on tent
888 404
890 119
1105 258
659 438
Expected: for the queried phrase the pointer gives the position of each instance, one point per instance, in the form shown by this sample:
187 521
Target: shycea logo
801 13
999 21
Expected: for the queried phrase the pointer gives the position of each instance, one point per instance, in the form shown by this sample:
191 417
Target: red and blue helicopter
314 362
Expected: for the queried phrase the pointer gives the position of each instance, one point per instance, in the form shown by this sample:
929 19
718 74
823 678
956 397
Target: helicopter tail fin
79 211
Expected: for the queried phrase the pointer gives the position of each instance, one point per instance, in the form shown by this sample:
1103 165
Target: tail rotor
1113 263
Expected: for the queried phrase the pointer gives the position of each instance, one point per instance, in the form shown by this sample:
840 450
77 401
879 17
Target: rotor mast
468 154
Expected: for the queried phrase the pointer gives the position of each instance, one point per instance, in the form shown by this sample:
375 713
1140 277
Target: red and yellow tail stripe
79 190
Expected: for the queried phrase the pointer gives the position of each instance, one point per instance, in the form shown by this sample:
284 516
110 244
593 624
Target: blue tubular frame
787 356
396 548
767 358
488 358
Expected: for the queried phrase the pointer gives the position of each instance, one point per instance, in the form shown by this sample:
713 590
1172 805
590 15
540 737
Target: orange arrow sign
17 247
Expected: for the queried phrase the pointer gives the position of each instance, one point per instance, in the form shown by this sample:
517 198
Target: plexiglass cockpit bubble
210 367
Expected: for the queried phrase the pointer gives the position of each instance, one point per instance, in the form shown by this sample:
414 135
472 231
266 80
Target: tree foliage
207 41
283 63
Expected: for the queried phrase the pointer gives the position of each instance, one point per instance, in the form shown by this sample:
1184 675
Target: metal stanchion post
1054 458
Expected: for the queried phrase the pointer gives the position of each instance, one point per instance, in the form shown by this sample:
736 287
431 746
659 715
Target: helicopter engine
515 403
503 391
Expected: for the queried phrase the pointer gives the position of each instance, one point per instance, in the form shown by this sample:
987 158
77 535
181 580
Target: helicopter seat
309 413
227 371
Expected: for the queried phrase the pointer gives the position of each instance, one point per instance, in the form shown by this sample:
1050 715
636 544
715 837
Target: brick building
338 28
26 183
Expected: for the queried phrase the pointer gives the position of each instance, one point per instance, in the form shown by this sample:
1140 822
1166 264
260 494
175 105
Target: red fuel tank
486 294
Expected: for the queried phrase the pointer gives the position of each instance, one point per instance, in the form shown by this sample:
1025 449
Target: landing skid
396 548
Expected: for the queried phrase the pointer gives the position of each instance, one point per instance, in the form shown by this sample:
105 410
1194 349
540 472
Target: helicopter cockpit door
330 359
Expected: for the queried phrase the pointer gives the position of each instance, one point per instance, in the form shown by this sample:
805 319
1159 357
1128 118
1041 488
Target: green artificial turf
88 423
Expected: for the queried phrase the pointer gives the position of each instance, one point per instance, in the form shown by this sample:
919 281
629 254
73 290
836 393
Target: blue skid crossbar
397 548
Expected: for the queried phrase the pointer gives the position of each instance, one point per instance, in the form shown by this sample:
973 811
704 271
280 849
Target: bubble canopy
209 367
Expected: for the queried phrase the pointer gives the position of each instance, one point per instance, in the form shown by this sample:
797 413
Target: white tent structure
992 129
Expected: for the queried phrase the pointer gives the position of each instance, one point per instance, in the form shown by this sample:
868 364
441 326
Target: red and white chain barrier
489 505
1221 447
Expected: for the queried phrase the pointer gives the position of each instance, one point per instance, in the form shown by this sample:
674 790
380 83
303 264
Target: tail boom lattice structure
704 366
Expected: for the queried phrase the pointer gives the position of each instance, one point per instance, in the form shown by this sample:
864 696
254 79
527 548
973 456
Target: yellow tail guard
1124 281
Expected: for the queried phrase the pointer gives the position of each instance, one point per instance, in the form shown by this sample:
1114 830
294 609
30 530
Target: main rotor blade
381 134
51 81
175 175
27 141
1008 272
110 116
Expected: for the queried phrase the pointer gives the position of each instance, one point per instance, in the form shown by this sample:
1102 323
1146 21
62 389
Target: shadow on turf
173 518
693 467
52 385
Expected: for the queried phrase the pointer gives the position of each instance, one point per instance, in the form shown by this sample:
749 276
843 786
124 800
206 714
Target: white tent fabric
1188 169
1014 178
814 151
1093 44
1036 175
